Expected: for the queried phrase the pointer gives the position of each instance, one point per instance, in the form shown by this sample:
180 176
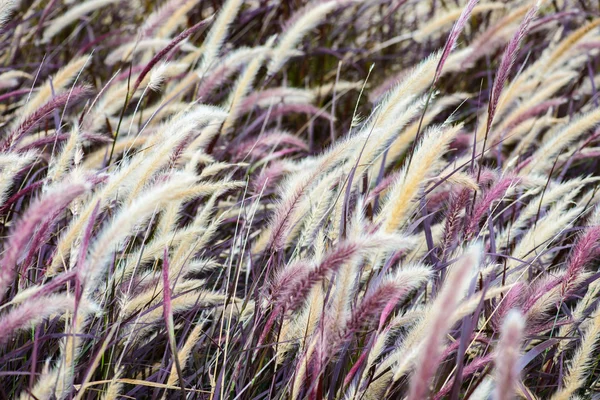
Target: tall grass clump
274 199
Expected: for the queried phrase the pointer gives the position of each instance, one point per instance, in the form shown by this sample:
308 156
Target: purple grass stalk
31 311
269 324
281 219
454 346
17 92
183 35
55 139
40 237
213 79
389 307
47 9
533 329
589 155
383 185
291 275
269 176
443 306
457 28
507 355
296 282
508 59
357 366
54 284
487 176
586 248
293 295
42 113
21 193
453 222
434 201
512 299
374 307
177 152
534 112
576 154
481 46
21 234
483 205
474 366
262 146
506 63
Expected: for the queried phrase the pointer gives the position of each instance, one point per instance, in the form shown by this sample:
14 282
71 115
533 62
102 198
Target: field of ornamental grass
299 199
